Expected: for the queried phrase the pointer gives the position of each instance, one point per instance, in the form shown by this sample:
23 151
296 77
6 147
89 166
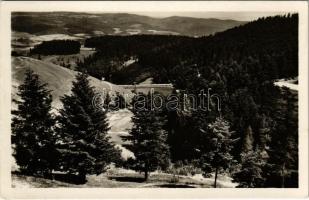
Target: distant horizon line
235 16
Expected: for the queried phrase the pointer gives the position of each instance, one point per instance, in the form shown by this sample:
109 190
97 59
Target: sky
240 16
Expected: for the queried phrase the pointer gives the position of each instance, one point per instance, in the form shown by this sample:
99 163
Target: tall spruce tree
283 151
252 162
148 138
33 138
218 145
84 143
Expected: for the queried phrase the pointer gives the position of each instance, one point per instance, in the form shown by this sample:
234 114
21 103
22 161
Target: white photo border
6 190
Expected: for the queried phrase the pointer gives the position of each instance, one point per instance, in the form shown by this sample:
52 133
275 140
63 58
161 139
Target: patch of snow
163 32
86 49
125 153
98 32
80 34
117 30
93 16
147 81
287 83
136 25
129 62
133 31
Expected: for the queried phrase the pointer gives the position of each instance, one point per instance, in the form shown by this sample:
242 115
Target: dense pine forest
56 47
271 43
252 138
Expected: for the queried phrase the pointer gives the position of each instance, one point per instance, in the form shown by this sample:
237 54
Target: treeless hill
59 79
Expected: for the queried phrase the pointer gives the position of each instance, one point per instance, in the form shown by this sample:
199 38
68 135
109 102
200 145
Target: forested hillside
240 65
270 42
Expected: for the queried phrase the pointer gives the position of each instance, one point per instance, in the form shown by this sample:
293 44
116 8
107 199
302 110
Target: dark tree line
132 45
56 47
113 51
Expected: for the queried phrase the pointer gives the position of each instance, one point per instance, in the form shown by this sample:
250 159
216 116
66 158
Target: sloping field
70 60
120 123
59 79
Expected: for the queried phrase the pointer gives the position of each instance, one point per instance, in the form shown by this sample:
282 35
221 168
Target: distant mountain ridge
41 23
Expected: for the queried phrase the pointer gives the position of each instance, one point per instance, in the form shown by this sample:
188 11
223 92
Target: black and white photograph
156 99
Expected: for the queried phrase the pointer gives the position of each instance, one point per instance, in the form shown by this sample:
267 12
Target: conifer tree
252 162
107 102
218 146
251 174
119 102
248 140
32 127
148 139
283 151
85 148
